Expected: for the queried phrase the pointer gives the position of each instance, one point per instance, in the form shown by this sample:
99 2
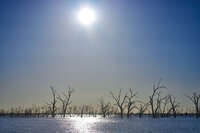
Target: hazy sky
131 44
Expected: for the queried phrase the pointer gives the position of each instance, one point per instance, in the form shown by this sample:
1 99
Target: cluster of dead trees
125 102
64 98
158 105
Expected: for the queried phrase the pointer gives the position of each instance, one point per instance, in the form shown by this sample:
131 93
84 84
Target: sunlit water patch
83 124
99 125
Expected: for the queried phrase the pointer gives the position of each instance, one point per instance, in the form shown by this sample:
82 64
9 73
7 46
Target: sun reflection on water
85 124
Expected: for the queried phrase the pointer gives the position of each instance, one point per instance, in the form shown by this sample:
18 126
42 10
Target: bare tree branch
130 101
52 104
118 102
195 100
65 99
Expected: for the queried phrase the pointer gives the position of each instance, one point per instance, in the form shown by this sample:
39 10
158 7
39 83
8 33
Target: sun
86 16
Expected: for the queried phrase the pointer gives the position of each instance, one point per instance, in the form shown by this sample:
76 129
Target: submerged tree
119 101
195 100
155 99
104 107
142 108
174 105
82 110
165 109
65 100
130 102
52 104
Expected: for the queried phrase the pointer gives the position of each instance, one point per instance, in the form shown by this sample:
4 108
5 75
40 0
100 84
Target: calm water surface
99 125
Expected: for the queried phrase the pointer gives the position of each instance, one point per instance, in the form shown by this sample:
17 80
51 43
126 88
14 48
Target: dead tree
36 110
52 104
90 110
142 108
113 110
75 110
45 110
104 107
159 104
119 101
82 110
195 100
165 107
130 102
70 109
174 105
65 100
86 109
155 107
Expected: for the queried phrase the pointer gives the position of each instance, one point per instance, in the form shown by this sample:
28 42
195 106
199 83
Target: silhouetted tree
119 101
174 105
82 110
36 110
45 110
113 110
195 100
142 108
130 100
52 104
165 110
65 100
86 109
104 107
91 110
75 109
155 99
70 109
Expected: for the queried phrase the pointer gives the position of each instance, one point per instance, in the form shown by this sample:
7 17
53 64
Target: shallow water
99 125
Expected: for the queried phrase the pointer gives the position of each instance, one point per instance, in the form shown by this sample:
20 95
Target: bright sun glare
86 16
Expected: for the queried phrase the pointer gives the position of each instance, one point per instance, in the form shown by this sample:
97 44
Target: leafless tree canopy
104 107
195 100
52 104
142 108
174 105
165 109
120 101
65 100
157 105
131 102
155 99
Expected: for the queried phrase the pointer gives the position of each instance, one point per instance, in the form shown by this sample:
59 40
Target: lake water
99 125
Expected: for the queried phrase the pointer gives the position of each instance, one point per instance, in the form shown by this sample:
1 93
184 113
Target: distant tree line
125 102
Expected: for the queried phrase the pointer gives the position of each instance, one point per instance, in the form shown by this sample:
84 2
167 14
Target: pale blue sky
131 44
